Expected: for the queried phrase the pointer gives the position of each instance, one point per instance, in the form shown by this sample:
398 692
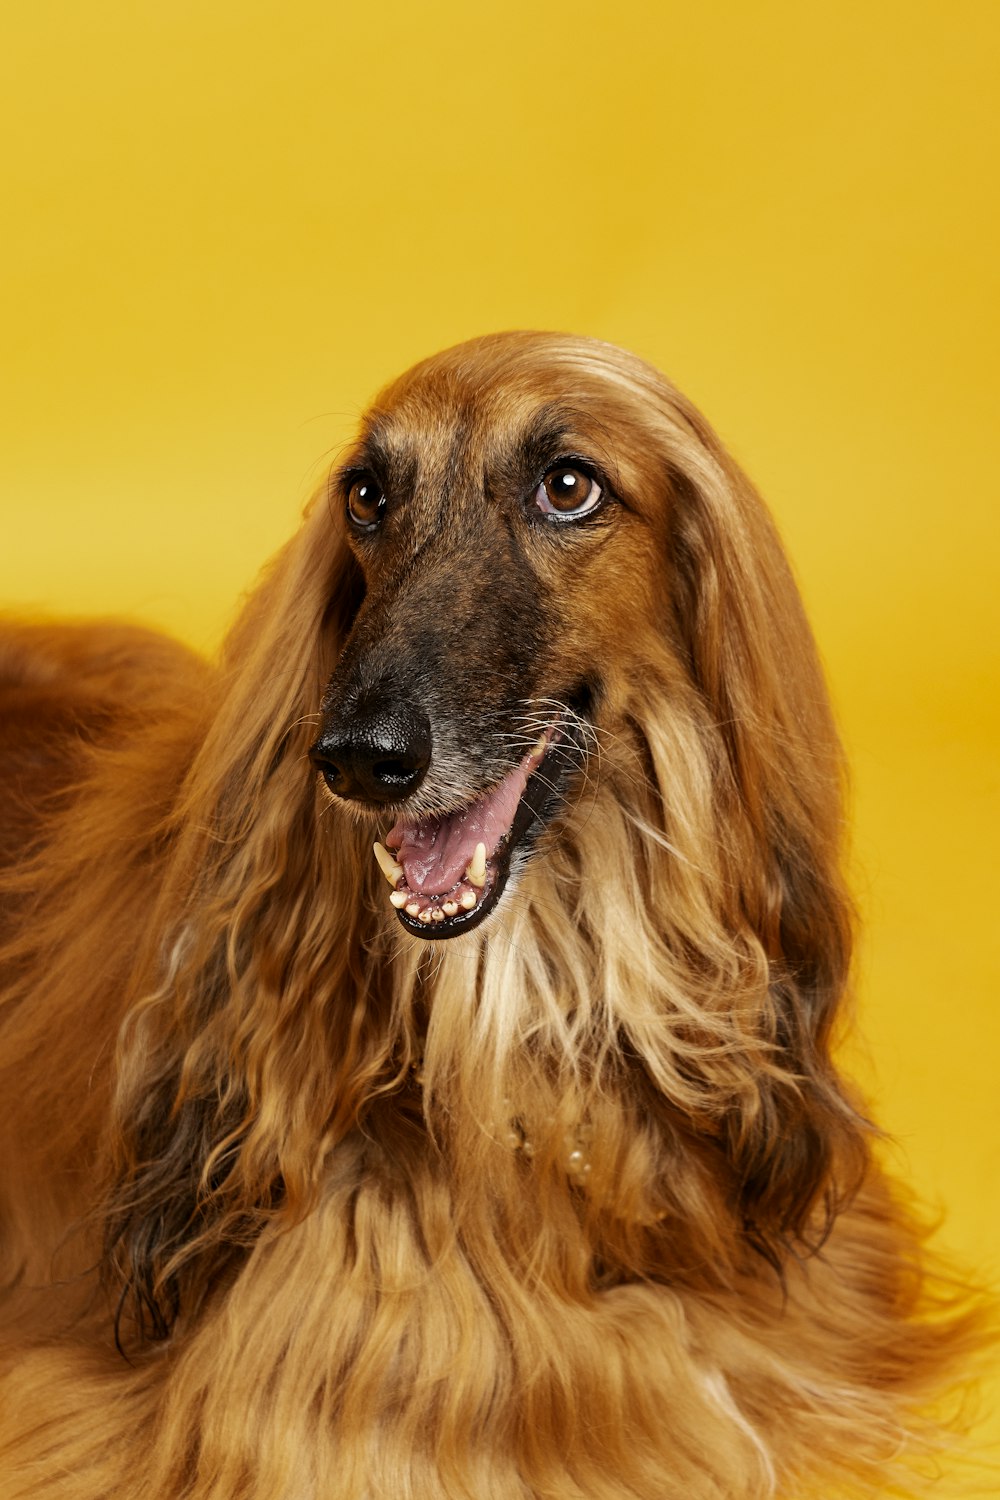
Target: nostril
395 772
322 760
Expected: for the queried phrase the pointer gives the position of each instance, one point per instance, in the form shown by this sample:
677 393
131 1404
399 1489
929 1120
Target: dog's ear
244 973
794 1141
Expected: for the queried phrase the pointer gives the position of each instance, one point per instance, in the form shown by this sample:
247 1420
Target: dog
417 1027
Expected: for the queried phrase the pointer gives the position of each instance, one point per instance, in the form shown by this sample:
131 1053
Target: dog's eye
569 492
365 502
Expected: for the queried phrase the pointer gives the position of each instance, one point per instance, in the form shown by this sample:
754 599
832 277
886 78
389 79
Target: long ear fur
777 778
252 972
260 968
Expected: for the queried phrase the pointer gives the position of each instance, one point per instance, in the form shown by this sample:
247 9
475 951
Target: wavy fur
311 1175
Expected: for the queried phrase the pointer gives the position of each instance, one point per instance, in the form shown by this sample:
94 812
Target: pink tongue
435 851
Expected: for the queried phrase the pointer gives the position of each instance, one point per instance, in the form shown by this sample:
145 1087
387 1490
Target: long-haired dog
508 1160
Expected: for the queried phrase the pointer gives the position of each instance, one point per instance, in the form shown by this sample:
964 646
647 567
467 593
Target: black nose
376 756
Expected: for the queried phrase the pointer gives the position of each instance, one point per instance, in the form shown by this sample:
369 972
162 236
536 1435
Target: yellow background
224 225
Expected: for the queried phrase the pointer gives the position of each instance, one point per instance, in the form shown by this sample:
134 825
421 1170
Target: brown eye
568 492
365 502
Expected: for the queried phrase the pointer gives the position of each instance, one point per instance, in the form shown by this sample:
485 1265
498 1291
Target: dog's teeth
539 749
423 916
413 908
476 873
450 908
390 869
399 898
468 900
437 915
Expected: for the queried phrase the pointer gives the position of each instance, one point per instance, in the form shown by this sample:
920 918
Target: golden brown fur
282 1142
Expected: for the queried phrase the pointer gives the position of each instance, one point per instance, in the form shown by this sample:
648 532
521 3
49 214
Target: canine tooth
390 869
413 908
476 873
450 908
437 915
423 916
468 900
541 746
399 898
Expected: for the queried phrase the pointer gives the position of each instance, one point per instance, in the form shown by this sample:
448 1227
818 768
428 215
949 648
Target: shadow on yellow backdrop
225 228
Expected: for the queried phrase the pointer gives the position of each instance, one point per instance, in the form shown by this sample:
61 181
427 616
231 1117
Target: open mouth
448 871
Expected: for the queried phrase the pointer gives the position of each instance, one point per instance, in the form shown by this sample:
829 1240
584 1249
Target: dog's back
64 688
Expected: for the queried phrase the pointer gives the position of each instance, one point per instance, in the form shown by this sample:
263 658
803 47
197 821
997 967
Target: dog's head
556 552
502 504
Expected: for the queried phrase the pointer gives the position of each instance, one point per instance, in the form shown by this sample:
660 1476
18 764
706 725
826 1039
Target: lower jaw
534 812
434 923
542 798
